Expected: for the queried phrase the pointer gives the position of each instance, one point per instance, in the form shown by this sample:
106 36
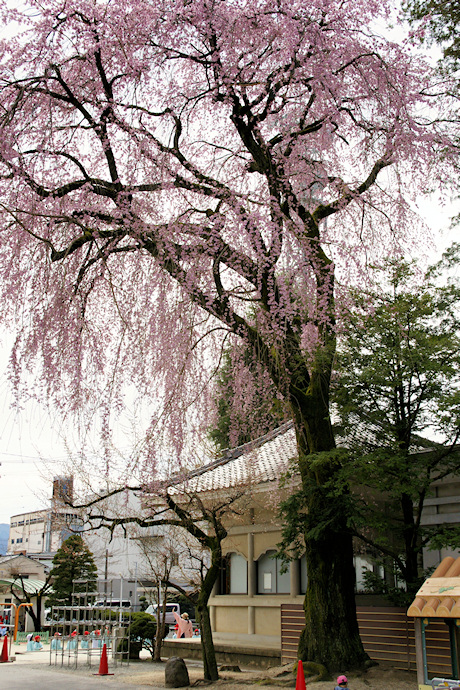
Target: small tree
73 561
23 594
160 564
178 505
142 632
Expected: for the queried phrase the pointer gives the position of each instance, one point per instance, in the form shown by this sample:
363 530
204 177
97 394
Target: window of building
174 558
363 564
12 541
238 574
270 579
233 574
19 541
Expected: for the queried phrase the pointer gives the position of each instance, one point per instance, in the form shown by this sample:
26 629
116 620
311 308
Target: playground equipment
80 632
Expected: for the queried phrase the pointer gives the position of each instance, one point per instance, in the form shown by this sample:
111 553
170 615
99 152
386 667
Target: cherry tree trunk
331 635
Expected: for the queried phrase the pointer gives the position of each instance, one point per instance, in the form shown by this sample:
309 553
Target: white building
128 559
40 533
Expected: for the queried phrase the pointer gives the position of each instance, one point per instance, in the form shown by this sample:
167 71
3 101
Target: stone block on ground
176 674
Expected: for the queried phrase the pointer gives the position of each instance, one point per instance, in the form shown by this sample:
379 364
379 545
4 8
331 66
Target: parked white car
113 603
170 609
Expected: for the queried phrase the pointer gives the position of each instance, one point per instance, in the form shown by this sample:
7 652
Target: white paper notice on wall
268 581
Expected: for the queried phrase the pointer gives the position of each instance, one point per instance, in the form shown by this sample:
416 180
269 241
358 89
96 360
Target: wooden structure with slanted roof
438 598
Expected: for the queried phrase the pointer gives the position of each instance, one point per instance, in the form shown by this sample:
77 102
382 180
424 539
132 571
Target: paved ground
28 677
32 671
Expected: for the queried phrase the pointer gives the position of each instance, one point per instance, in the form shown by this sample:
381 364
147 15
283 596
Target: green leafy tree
247 402
438 22
441 23
400 383
72 562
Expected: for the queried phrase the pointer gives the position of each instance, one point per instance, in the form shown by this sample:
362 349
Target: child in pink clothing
185 626
342 683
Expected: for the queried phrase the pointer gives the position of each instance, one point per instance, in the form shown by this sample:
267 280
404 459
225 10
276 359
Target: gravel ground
280 677
145 674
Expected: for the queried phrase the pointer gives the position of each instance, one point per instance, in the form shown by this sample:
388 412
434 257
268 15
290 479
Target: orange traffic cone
103 666
4 656
300 682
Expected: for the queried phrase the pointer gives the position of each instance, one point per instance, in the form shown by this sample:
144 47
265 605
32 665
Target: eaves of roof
265 460
27 585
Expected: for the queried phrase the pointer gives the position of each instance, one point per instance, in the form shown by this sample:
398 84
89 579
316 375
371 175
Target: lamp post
135 587
121 598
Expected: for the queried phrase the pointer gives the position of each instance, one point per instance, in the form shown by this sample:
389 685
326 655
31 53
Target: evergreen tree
73 561
400 383
397 385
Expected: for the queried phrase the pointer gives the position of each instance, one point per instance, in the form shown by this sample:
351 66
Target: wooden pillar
294 571
212 609
252 584
251 620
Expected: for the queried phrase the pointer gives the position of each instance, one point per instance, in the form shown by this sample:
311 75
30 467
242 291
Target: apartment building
40 533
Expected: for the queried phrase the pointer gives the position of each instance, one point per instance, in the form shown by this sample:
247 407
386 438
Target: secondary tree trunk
207 646
35 617
207 643
160 620
410 532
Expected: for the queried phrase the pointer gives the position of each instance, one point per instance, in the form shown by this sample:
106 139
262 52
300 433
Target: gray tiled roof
267 458
260 461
